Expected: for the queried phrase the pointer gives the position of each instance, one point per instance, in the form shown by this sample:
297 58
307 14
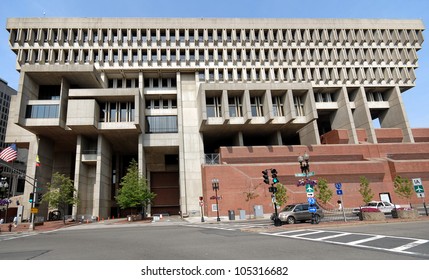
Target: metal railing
212 158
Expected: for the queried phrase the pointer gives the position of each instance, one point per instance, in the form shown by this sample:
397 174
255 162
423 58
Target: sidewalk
169 220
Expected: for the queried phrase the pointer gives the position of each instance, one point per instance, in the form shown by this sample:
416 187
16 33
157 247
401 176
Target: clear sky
416 100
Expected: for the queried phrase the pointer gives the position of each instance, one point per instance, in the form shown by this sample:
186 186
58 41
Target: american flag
9 154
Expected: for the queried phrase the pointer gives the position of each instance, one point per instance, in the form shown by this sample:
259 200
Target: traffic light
31 198
274 176
272 189
38 198
265 176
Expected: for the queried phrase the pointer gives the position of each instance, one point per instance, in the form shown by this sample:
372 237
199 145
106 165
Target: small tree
61 193
403 187
134 191
250 195
281 195
365 190
324 193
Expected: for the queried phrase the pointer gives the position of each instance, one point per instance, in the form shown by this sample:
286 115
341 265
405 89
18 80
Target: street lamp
215 186
305 169
5 186
303 163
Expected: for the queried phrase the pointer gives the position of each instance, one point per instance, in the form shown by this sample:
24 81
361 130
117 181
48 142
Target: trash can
242 214
231 215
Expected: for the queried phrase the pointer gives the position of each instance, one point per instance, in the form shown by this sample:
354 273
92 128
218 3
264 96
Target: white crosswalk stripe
372 241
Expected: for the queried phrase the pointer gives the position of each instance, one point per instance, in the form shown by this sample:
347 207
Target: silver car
299 212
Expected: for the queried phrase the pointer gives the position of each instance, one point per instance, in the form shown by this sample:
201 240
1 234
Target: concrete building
5 95
197 99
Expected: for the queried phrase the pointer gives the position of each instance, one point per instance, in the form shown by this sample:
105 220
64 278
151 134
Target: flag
9 154
37 161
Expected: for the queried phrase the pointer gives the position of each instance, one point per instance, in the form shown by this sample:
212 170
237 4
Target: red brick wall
241 167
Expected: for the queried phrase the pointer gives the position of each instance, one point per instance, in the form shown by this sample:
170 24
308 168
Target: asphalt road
230 241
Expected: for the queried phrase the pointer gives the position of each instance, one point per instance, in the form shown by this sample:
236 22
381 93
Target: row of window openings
216 35
214 56
214 107
112 112
125 111
235 106
148 83
308 74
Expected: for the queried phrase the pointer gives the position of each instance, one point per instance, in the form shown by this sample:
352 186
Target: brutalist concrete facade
96 92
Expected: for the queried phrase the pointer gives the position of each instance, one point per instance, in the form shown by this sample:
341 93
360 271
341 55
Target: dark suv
299 212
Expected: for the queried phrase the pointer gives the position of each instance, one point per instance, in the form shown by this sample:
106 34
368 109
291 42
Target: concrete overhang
82 76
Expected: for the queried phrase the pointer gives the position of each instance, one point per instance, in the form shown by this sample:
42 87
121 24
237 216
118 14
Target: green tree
365 190
281 195
324 193
61 193
403 187
134 191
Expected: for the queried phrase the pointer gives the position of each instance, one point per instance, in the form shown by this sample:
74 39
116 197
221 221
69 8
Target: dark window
161 124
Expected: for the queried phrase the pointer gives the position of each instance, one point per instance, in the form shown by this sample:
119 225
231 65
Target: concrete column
396 116
191 152
103 179
343 118
362 115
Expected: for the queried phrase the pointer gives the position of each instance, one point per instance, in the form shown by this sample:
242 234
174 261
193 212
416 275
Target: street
224 241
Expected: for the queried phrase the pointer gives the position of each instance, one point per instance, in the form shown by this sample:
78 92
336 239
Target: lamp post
215 186
305 169
5 186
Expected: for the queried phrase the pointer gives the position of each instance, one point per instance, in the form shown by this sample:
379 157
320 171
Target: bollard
10 227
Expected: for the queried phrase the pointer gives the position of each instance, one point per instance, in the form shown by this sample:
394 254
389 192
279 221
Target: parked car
293 213
384 206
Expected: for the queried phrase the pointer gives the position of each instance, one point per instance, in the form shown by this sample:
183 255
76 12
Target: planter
408 214
371 216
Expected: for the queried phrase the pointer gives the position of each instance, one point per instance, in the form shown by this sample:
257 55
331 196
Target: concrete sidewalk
177 220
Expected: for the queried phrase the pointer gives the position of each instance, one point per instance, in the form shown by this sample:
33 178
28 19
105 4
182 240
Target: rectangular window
299 105
256 106
235 107
42 111
161 124
277 106
214 108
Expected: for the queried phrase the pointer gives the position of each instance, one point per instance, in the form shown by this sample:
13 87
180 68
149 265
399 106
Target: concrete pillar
342 118
396 116
362 115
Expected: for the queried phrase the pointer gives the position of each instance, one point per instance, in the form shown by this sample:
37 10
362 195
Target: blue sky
416 100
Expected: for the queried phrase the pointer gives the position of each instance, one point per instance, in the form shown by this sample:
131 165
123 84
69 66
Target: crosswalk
403 245
393 244
4 237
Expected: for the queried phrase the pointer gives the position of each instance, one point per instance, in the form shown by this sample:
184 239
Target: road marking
410 245
360 243
365 240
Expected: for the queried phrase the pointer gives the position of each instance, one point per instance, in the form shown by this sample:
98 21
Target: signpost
420 191
338 186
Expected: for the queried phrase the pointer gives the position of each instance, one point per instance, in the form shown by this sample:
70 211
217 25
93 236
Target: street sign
311 200
310 194
421 195
417 181
419 189
339 192
305 174
309 188
338 186
34 210
312 209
